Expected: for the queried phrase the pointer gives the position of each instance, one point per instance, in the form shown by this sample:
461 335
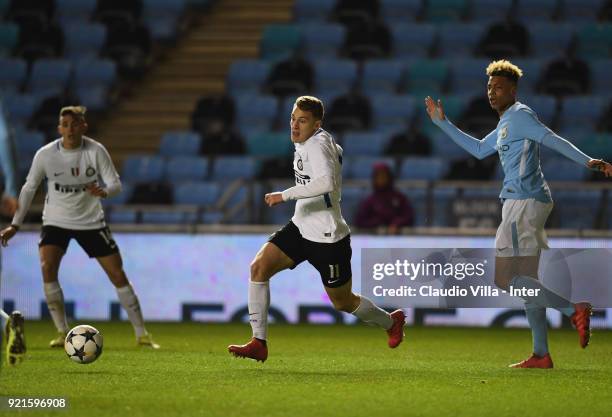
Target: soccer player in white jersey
14 328
79 173
317 233
526 200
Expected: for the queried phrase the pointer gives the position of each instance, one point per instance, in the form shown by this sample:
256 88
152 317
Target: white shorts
521 232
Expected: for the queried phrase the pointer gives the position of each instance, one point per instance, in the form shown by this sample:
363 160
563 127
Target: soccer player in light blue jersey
526 200
14 328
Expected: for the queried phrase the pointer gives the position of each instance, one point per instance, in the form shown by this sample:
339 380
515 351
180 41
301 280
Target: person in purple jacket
386 206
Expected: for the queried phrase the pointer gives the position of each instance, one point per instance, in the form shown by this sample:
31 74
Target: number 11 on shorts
334 271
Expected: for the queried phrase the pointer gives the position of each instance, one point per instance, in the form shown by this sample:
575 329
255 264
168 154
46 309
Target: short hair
74 111
504 68
311 104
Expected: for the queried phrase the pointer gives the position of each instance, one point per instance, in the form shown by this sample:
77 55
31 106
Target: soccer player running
526 200
316 233
14 328
79 173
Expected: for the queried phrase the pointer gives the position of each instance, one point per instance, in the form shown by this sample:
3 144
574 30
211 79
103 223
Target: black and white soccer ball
83 344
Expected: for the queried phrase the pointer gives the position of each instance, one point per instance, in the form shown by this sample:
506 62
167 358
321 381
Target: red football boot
396 332
535 361
252 350
581 320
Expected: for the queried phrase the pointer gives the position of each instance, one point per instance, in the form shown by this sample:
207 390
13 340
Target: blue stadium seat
123 216
122 198
562 169
13 74
141 169
576 208
335 75
361 167
533 10
431 169
162 18
412 40
197 193
312 10
363 143
69 11
418 200
352 196
256 109
550 39
396 11
269 144
485 11
545 107
459 40
169 217
9 37
49 77
532 70
84 40
20 107
600 75
186 169
28 142
234 167
180 143
322 40
427 76
392 109
442 200
96 72
380 76
279 41
247 75
444 147
584 111
598 145
468 76
581 10
445 10
595 40
95 98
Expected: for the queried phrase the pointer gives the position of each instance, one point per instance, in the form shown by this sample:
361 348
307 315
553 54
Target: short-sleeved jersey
319 218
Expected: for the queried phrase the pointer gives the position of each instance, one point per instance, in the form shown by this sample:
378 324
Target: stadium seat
445 10
9 38
123 216
363 143
583 111
550 39
427 77
392 109
442 199
186 169
70 11
168 217
28 142
198 193
20 108
335 75
599 146
576 208
396 11
269 144
312 10
444 147
140 169
545 107
162 18
595 40
468 76
459 40
562 169
84 40
581 10
361 167
49 77
532 71
535 10
352 196
600 75
279 41
381 76
418 199
257 109
322 40
487 11
247 75
122 198
234 167
13 74
412 40
180 144
430 169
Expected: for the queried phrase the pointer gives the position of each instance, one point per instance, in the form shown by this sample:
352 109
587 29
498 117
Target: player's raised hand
273 199
95 190
7 234
601 166
434 110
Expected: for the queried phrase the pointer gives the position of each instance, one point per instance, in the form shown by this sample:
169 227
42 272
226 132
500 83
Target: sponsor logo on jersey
90 171
70 189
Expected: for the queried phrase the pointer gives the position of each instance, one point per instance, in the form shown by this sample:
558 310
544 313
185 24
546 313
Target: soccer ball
83 344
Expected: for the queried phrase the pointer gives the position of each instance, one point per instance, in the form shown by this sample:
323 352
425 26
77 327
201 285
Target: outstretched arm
478 148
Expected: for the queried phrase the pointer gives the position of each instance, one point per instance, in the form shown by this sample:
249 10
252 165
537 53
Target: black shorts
96 243
332 260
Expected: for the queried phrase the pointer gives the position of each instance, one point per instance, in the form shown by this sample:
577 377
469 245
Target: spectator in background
411 141
355 11
294 76
567 75
367 40
386 206
505 39
221 141
351 111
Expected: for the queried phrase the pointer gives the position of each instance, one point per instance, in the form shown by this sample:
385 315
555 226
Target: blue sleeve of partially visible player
479 148
7 158
528 126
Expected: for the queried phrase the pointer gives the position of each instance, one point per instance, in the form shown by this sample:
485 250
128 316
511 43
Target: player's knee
260 271
49 269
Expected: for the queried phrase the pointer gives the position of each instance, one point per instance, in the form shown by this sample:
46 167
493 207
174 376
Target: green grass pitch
317 371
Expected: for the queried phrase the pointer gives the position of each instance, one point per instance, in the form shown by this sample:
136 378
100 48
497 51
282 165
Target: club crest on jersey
503 133
75 171
90 172
300 164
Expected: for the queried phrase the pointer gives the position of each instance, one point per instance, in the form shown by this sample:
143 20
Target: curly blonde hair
504 68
